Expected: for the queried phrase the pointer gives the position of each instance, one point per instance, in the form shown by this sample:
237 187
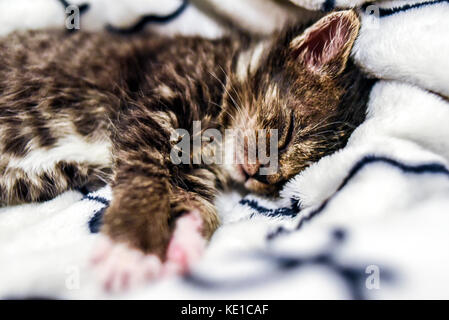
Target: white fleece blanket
370 221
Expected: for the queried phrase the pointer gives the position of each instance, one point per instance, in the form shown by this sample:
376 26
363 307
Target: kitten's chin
256 186
237 174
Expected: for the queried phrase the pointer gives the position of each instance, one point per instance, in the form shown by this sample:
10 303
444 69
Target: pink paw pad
186 245
120 267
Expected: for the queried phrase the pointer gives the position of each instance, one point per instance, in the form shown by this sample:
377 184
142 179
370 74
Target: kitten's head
302 83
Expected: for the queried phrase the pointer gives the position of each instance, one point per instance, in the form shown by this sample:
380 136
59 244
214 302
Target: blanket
367 222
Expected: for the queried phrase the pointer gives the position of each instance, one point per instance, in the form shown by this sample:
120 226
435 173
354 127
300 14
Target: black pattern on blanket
368 222
142 22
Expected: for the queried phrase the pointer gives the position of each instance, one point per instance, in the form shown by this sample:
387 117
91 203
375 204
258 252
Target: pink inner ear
325 42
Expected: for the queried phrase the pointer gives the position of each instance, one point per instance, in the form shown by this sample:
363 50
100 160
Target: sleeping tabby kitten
84 109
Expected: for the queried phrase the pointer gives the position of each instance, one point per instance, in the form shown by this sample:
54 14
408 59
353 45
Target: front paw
120 267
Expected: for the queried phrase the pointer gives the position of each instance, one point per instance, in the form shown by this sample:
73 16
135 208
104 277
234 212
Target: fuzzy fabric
367 222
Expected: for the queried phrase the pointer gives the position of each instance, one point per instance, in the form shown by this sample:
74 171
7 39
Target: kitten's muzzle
252 171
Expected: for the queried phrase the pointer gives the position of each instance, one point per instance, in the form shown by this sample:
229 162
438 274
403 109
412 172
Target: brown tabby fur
128 94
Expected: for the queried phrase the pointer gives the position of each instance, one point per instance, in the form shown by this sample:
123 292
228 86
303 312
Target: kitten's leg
144 210
136 224
120 266
139 213
156 228
150 193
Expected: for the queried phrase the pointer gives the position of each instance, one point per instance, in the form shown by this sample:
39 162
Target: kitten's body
80 109
75 109
65 97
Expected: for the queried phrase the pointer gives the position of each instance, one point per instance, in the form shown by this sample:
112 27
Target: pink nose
251 169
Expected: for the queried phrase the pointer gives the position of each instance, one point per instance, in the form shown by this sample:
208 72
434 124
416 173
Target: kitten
84 109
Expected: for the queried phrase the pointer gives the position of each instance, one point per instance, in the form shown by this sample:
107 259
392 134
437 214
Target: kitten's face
296 85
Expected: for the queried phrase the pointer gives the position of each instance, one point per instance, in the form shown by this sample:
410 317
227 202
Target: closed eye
289 136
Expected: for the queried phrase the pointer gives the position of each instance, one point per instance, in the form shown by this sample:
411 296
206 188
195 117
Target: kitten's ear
324 48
